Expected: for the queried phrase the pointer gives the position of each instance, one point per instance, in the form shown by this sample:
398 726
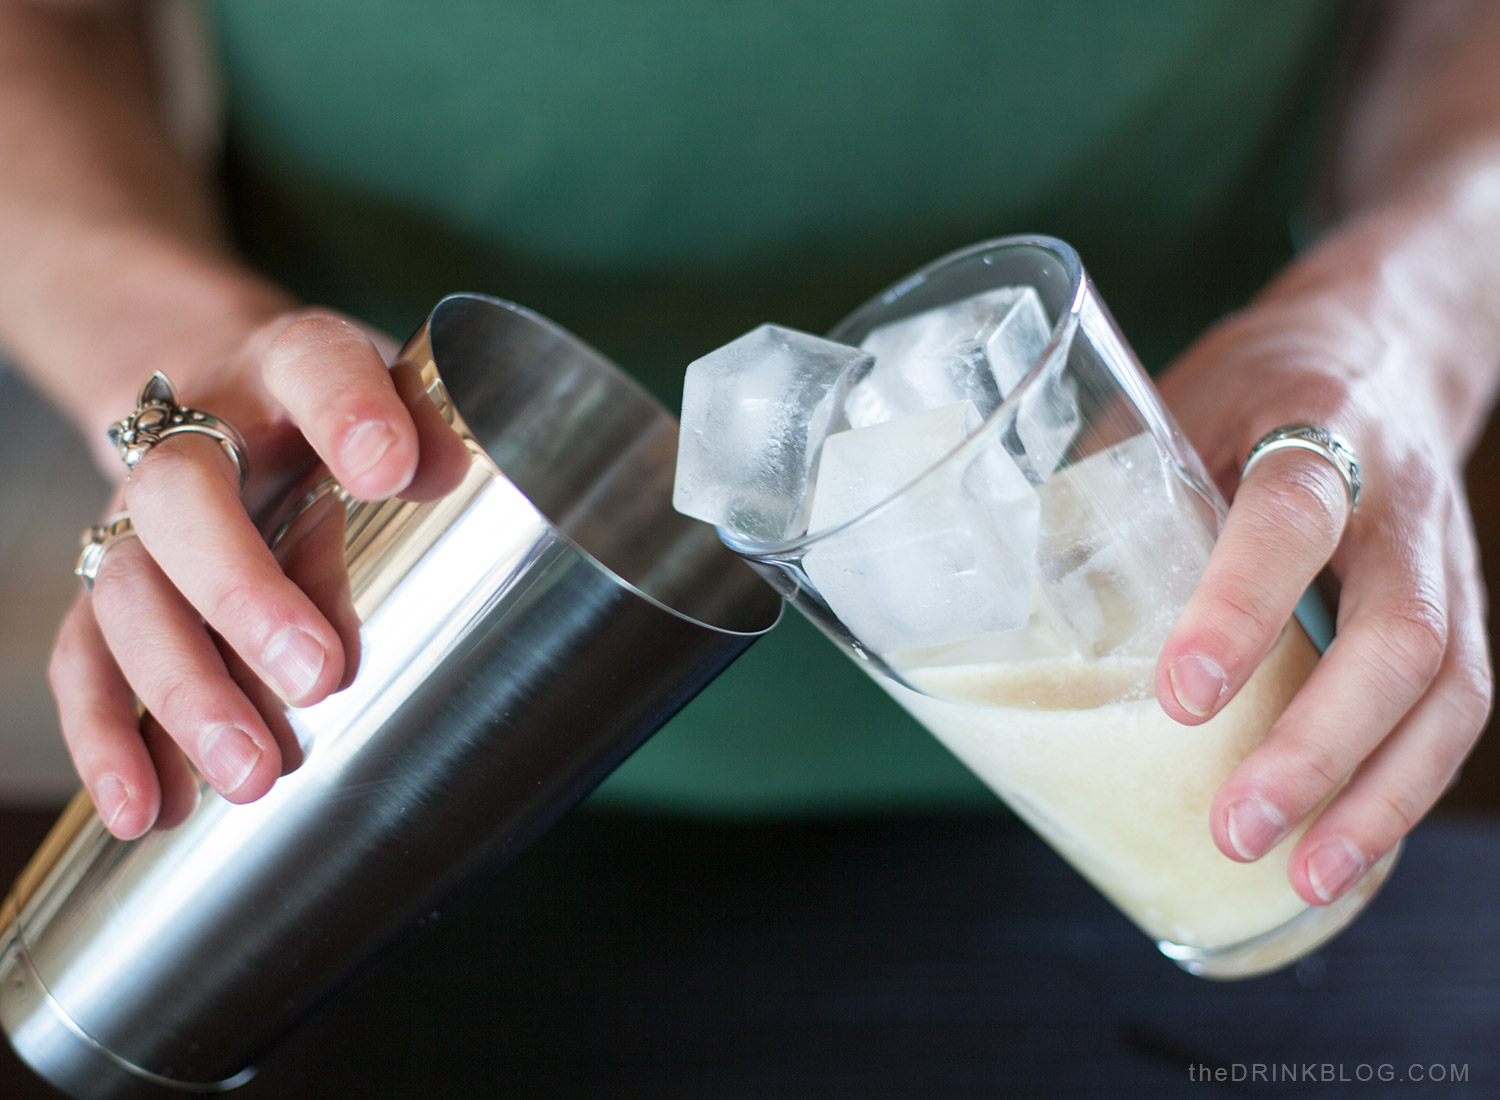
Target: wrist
1417 282
129 302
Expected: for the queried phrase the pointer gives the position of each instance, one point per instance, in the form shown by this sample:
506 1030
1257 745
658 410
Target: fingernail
111 796
366 446
295 661
1334 867
228 756
1254 826
1197 682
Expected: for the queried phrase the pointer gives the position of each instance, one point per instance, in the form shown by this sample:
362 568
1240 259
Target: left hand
1402 693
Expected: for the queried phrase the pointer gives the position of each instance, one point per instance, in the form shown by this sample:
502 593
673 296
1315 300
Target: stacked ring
157 416
97 541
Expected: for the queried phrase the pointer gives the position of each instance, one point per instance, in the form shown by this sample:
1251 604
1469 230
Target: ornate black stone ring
158 415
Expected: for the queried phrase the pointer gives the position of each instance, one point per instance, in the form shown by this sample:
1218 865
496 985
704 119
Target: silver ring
158 415
96 542
1321 442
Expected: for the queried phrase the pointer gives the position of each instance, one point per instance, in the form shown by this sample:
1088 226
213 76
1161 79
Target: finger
312 555
1285 523
179 786
1381 663
331 379
170 661
1408 773
101 727
1390 793
444 456
266 704
185 504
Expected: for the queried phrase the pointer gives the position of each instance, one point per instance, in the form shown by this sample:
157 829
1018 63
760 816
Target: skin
118 267
1387 332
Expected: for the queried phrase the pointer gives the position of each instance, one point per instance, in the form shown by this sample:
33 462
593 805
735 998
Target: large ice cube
975 349
951 557
1047 418
1123 542
754 414
1017 339
906 386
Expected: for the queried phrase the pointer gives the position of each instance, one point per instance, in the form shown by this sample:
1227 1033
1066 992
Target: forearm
113 255
1417 277
1415 190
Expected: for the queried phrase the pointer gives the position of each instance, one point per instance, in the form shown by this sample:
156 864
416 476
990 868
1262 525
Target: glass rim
1058 342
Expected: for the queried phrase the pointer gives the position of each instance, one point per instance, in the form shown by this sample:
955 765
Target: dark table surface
633 957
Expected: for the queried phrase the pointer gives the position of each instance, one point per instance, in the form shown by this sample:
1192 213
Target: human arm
116 265
1387 332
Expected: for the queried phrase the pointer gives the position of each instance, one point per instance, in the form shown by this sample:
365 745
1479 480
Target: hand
1404 690
301 384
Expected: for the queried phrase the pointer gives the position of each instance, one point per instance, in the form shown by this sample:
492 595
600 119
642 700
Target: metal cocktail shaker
519 635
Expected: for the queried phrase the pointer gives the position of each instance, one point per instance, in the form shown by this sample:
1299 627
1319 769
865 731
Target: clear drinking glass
1091 552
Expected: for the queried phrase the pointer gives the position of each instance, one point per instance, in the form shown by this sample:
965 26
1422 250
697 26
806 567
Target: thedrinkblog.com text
1330 1073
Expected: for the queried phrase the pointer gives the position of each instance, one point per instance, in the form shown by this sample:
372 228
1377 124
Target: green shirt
662 175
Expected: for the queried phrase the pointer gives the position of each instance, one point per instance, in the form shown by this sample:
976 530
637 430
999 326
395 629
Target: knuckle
62 663
1321 762
312 333
1399 812
175 701
1298 768
1243 606
1414 636
1481 686
59 666
1327 390
1324 765
1469 700
236 608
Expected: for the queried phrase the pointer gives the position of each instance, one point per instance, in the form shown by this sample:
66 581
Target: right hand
304 384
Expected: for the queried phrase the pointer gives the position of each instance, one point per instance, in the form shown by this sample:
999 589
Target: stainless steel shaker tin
519 635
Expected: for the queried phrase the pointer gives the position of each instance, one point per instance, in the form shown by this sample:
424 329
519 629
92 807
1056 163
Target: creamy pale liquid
1083 752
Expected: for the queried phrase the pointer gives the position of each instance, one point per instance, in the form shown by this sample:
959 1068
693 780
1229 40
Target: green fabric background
660 176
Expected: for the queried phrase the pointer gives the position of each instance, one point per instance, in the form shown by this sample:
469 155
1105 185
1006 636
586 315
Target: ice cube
1046 419
950 557
975 349
1123 541
1047 412
754 414
862 467
902 386
1017 338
